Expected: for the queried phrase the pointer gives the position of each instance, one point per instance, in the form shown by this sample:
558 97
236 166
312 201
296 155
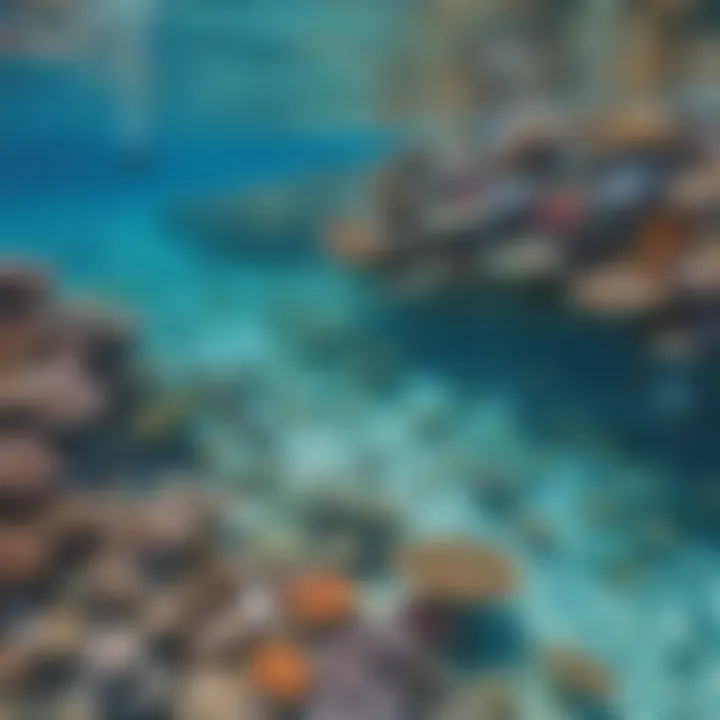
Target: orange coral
318 600
457 570
280 671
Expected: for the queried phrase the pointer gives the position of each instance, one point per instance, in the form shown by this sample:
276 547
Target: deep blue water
58 141
575 378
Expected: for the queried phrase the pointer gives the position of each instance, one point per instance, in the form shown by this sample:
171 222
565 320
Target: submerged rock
489 698
276 219
497 491
584 685
458 604
368 529
373 670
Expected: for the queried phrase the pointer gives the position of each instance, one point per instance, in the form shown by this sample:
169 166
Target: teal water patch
60 143
39 169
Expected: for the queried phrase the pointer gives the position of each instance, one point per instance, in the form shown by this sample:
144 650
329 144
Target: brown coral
57 635
573 672
113 585
699 273
56 393
14 665
458 570
637 125
23 293
28 467
24 555
173 532
662 240
493 698
620 290
78 522
356 243
212 694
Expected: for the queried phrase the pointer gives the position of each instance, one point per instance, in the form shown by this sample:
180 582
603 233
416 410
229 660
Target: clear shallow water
483 380
412 404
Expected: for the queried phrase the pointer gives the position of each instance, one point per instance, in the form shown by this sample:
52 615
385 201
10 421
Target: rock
372 671
482 699
537 533
369 530
580 680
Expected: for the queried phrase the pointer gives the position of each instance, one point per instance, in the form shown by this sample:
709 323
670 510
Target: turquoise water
411 403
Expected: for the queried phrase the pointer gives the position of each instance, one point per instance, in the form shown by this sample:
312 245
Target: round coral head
317 600
637 125
13 667
621 290
22 291
57 634
573 672
663 239
28 467
458 571
356 243
24 555
281 672
23 294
